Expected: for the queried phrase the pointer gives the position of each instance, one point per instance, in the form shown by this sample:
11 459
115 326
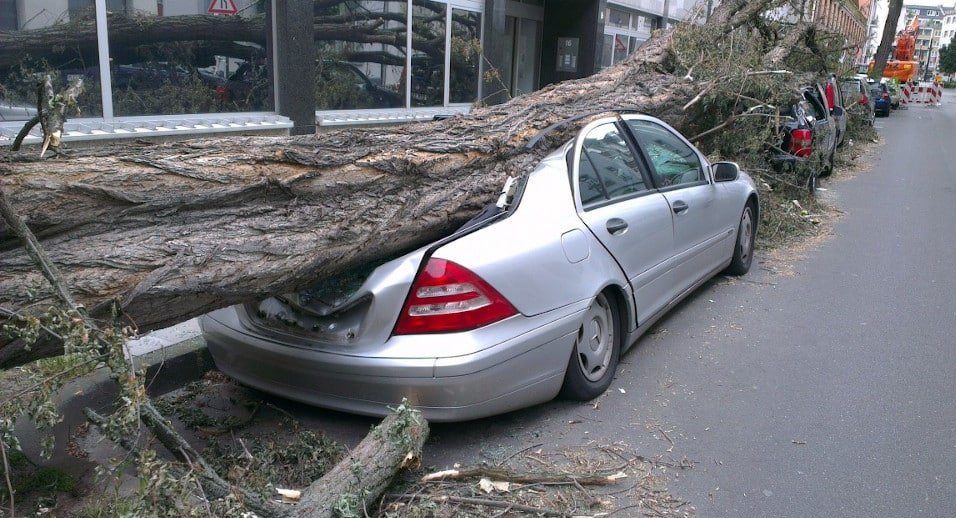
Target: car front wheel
597 349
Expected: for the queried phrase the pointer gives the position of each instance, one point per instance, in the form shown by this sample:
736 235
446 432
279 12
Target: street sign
222 7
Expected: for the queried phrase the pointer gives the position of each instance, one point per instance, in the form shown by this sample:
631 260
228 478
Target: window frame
574 161
705 165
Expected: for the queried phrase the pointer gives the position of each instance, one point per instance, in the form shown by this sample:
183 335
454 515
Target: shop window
428 53
8 15
62 45
353 72
607 51
465 56
620 48
188 62
618 18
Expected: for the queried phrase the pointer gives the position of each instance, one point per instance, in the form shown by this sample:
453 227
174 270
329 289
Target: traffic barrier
907 97
928 94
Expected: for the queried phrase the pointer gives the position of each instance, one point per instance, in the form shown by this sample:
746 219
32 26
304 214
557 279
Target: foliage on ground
639 487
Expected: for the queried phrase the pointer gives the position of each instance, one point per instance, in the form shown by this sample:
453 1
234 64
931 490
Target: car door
824 129
617 201
681 174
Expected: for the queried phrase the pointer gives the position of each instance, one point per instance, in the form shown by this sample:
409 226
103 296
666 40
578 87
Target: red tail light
801 142
886 96
448 298
864 100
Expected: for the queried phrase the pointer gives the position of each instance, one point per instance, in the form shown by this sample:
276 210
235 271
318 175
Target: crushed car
538 296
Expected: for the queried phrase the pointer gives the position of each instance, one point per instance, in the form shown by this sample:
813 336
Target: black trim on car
550 129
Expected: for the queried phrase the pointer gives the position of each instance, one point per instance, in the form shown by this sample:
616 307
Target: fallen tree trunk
171 231
354 483
176 230
360 478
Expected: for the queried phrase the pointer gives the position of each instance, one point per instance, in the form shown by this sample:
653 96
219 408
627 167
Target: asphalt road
829 390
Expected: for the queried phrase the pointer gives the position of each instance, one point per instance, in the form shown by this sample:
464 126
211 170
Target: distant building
948 27
850 18
929 36
874 33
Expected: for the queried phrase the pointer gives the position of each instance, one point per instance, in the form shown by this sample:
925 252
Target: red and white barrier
907 96
928 94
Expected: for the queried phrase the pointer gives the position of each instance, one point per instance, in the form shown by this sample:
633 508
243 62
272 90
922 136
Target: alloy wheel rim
746 234
595 342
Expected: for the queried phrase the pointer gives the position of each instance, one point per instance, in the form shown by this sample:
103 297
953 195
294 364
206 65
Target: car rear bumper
516 373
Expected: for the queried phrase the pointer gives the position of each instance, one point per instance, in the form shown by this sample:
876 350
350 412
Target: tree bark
886 42
171 231
176 230
364 474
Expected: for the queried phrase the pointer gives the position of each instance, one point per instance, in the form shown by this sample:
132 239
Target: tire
744 247
597 350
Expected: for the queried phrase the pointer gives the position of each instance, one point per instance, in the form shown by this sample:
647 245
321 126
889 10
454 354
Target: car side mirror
725 171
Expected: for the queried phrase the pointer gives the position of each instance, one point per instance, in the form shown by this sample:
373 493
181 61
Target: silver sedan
538 297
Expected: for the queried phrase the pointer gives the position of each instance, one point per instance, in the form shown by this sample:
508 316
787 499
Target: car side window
607 168
673 161
819 112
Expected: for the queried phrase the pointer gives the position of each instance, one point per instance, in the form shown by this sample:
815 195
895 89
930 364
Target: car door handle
679 207
616 226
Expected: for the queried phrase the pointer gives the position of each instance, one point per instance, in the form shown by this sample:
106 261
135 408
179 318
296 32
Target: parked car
539 296
809 127
893 87
882 102
856 92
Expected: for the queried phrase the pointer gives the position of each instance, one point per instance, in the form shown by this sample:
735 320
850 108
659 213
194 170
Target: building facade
948 27
170 67
847 17
928 38
628 23
850 18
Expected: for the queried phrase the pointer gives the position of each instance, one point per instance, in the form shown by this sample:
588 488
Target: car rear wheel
744 248
597 349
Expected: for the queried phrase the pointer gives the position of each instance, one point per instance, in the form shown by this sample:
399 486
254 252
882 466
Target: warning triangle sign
222 7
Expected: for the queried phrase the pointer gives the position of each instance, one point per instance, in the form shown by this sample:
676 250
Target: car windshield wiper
550 129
